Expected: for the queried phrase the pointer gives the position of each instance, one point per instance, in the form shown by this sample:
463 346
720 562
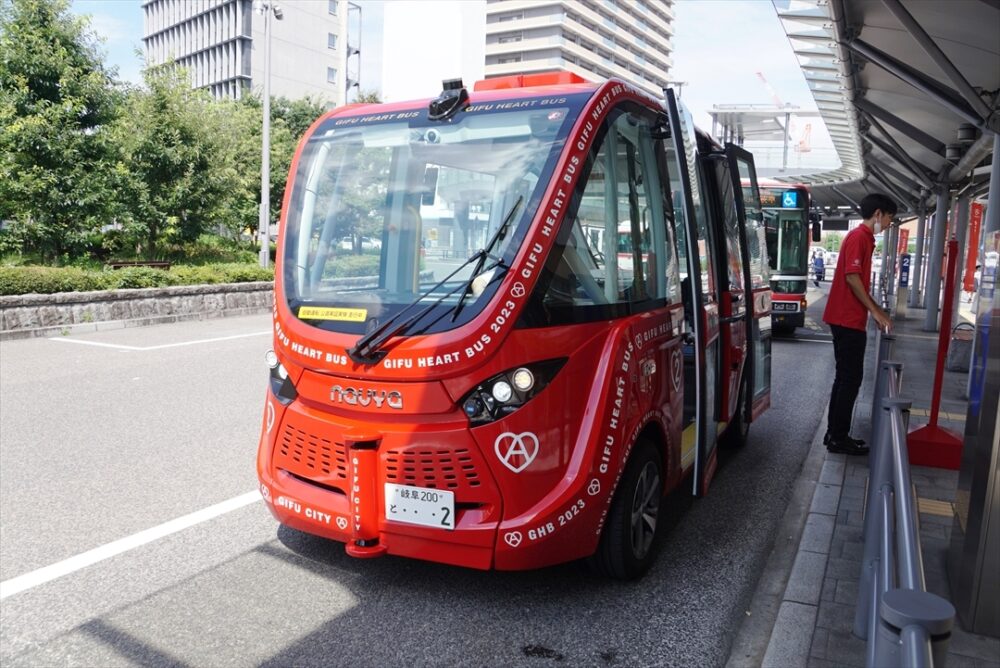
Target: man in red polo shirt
847 309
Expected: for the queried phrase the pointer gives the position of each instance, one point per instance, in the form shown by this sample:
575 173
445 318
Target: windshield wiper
485 254
368 348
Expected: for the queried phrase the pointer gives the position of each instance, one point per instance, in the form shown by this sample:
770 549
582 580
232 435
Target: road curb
27 316
765 620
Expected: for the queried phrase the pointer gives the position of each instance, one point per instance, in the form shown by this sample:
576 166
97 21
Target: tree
289 121
368 97
832 240
297 115
169 136
57 100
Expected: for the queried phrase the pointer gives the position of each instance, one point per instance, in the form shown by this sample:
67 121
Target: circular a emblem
677 369
517 290
594 488
270 416
342 523
265 492
513 538
516 451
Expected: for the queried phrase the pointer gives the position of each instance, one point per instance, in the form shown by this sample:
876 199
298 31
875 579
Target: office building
627 39
221 44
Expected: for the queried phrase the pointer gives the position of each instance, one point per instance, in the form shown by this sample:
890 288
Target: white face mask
878 228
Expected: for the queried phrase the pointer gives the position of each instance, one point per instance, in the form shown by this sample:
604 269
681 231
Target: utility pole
266 8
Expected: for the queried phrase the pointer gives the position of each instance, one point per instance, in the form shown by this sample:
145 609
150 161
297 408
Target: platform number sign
789 199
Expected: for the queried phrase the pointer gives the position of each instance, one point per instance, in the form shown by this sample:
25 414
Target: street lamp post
266 8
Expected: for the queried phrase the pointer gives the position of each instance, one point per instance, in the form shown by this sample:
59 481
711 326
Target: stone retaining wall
23 316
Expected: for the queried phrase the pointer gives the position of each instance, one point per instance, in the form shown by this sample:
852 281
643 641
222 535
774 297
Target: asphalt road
101 443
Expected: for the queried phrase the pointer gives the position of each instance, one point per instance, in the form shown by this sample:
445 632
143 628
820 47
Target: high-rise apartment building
221 44
627 39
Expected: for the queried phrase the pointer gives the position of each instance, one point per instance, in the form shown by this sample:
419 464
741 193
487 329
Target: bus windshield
786 228
786 240
388 209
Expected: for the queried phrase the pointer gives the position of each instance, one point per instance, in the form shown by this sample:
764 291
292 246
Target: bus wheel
626 548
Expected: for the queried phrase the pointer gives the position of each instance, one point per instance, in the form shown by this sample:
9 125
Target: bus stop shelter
910 93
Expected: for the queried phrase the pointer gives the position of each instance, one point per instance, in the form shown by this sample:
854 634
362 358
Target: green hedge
357 265
49 280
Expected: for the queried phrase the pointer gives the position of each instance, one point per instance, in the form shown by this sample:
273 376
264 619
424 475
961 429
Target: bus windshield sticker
326 313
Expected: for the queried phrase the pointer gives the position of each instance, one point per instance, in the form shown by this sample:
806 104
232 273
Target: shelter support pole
992 222
917 264
932 298
889 267
961 233
784 153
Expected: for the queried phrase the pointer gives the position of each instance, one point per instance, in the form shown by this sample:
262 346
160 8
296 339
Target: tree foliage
90 167
289 121
175 178
57 180
368 97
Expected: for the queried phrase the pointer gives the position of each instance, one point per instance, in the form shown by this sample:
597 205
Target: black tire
739 429
627 546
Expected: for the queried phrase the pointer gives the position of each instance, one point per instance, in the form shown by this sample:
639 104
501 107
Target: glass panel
621 216
786 226
383 209
786 241
731 228
762 356
760 270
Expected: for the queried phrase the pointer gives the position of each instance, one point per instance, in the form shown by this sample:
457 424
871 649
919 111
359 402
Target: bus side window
616 247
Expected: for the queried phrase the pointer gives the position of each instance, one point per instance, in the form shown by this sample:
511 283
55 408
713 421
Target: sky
719 47
119 24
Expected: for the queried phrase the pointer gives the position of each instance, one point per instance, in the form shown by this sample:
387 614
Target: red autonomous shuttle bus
483 383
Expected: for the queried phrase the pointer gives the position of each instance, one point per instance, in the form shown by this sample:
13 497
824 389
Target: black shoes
845 445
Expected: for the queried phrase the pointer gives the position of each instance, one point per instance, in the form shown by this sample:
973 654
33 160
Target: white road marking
57 570
160 347
117 346
809 340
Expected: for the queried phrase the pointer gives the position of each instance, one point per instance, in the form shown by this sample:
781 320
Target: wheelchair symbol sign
789 199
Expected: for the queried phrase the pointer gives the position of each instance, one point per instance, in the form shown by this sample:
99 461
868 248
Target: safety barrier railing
904 625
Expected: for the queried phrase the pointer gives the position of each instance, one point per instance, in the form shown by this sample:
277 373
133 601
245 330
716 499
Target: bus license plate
782 306
420 505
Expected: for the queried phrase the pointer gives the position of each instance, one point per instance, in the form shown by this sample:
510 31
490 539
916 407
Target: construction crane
803 145
770 89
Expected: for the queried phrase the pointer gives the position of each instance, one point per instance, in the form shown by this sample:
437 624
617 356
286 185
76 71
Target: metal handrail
902 623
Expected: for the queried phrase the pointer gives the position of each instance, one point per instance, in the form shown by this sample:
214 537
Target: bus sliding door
701 294
756 278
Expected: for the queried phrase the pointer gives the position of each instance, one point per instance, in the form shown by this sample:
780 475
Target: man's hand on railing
883 320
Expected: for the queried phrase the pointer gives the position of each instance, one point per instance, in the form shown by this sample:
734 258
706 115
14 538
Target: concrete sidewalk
802 613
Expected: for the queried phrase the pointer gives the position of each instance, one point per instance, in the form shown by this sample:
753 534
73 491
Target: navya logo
355 397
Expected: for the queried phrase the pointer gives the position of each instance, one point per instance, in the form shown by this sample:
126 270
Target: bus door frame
706 320
734 325
759 306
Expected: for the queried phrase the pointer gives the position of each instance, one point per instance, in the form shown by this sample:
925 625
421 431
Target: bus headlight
523 379
504 393
281 385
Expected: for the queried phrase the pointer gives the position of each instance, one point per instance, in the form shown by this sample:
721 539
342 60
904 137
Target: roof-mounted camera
452 99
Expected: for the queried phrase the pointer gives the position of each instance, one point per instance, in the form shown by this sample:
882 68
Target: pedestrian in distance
847 309
819 269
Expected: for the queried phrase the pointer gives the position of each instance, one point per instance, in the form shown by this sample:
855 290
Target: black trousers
849 353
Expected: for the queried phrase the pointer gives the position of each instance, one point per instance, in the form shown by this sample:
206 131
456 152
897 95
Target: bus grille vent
438 469
310 455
